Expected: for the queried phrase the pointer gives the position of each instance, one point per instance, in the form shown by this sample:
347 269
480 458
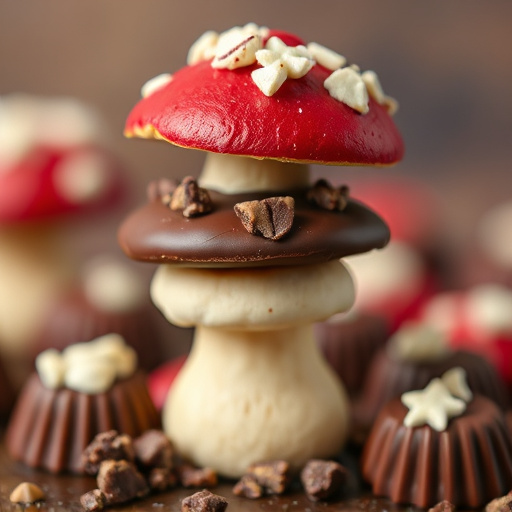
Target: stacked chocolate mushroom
250 252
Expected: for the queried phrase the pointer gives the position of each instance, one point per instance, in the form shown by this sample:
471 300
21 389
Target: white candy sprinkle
154 84
280 62
325 57
347 86
375 90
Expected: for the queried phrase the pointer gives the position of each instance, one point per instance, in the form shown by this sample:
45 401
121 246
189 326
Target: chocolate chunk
108 445
501 504
191 476
190 198
271 217
323 479
153 450
93 500
161 190
26 492
273 476
160 479
120 481
442 506
248 487
204 501
325 196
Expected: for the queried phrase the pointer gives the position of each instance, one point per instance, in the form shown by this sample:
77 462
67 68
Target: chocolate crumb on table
323 479
120 481
107 445
153 450
443 506
273 476
191 476
204 501
501 504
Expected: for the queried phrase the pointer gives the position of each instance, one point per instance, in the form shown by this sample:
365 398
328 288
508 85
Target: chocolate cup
50 428
349 346
388 378
468 464
157 234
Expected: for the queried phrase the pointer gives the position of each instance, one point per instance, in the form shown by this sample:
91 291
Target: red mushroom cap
49 182
223 111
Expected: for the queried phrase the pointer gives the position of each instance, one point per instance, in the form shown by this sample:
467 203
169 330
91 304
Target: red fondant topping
223 111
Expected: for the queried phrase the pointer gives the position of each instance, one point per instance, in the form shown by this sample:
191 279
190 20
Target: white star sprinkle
432 406
455 380
280 62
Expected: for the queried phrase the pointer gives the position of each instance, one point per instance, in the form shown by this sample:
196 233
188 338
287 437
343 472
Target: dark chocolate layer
155 233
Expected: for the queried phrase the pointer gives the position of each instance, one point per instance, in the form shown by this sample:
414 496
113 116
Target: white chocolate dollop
90 367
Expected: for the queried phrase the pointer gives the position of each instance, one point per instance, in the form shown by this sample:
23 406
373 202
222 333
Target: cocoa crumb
323 479
273 476
325 196
108 445
442 506
501 504
190 476
93 500
120 481
271 217
190 198
204 501
160 479
153 449
248 487
161 190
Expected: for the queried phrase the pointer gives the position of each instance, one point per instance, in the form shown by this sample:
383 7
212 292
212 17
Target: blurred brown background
448 63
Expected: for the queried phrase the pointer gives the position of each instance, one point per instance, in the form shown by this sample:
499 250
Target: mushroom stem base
246 396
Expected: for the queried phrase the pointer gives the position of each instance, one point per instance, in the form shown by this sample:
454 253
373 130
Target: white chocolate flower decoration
347 85
280 62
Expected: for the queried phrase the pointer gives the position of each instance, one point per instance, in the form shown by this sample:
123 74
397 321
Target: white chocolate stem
234 174
245 396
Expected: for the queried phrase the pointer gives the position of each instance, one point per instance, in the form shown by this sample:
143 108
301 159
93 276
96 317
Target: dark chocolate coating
50 428
154 233
468 464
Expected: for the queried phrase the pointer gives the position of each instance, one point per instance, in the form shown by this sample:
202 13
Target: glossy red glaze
223 111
